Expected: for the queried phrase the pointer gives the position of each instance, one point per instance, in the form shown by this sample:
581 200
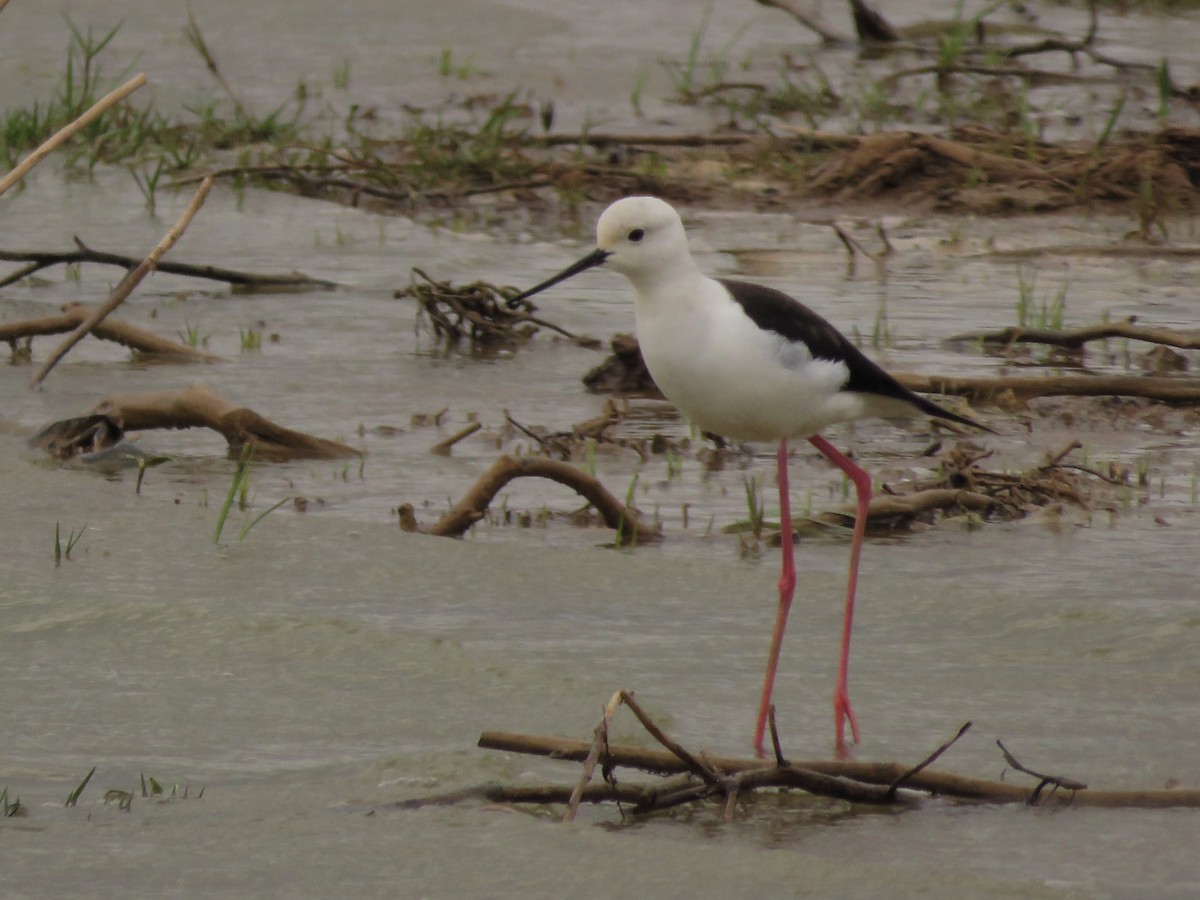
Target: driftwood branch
1187 340
1171 390
131 280
64 134
883 775
138 339
242 281
195 407
472 507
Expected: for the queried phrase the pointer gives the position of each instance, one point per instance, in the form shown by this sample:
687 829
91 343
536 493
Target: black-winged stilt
751 363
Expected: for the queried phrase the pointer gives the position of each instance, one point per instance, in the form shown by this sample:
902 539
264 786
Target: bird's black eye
636 235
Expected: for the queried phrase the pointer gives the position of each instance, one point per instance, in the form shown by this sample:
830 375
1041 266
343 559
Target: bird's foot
842 713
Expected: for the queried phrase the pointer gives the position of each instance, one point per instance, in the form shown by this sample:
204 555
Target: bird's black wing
775 311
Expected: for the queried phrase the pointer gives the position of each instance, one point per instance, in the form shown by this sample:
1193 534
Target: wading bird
751 363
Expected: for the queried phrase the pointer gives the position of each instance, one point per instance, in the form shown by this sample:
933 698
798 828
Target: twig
852 245
131 280
39 259
604 139
693 764
1057 780
70 130
589 764
1055 459
927 761
559 447
1127 328
443 448
779 760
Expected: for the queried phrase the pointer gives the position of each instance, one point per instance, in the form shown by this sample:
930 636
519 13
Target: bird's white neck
666 283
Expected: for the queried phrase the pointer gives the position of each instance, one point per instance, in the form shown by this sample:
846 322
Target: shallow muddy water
330 665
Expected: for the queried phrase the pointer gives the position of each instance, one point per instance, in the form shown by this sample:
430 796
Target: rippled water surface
330 665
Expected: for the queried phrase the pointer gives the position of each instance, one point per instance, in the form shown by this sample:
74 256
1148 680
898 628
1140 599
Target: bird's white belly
731 378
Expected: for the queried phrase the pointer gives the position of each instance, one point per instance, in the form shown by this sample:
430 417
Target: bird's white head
640 237
643 237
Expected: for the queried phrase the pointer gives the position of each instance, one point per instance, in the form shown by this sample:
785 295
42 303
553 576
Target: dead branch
443 448
480 312
853 247
1040 76
1108 251
1077 338
64 134
551 793
929 760
131 280
242 281
195 407
473 505
546 442
138 339
1057 781
1171 390
695 765
931 781
599 742
825 140
889 510
606 139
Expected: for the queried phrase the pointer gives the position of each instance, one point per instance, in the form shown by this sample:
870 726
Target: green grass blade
239 477
73 797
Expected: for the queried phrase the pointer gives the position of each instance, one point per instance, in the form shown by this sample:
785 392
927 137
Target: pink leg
787 586
862 485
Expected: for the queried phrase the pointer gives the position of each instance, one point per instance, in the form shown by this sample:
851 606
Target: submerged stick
195 407
932 781
471 508
599 742
543 793
1178 390
74 315
694 764
1075 339
246 281
131 280
70 130
442 448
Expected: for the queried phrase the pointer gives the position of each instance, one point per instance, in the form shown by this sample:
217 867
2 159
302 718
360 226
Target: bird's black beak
593 259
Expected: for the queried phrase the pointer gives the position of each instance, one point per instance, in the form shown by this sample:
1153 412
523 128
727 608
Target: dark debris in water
480 313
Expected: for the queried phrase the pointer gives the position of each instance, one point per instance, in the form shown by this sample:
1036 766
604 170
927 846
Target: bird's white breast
728 375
